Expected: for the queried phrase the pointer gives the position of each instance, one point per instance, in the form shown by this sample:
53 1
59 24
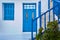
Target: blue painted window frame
8 11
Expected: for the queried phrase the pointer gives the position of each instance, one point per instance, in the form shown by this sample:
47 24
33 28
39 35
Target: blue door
29 11
56 10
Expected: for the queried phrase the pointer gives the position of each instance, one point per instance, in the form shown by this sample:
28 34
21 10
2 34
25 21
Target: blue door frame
29 11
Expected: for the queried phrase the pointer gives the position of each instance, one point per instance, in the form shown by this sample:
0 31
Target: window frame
11 4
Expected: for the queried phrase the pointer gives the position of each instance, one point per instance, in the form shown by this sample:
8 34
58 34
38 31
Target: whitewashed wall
44 5
16 26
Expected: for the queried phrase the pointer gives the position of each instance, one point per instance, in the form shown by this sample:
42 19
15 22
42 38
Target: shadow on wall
1 26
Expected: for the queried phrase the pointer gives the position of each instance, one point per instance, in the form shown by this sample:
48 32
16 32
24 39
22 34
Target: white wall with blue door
16 26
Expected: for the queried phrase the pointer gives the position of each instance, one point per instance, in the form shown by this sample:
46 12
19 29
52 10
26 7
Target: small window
8 11
29 6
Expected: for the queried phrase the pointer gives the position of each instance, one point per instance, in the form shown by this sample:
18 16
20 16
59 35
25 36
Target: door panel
56 10
28 9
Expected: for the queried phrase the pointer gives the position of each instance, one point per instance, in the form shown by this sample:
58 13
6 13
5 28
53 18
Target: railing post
39 12
53 16
49 8
32 26
59 23
45 21
32 30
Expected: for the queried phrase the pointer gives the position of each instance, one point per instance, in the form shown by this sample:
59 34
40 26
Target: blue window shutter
8 11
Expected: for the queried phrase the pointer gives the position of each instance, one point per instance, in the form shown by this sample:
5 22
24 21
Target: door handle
26 15
32 15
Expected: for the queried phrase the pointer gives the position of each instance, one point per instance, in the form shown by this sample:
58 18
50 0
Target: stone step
26 36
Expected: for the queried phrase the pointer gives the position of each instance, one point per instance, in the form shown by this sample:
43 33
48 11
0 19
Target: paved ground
15 37
25 36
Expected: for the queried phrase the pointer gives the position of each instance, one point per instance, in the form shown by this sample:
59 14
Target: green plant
51 33
38 36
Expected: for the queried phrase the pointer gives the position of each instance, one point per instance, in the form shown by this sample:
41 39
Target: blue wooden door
29 10
56 10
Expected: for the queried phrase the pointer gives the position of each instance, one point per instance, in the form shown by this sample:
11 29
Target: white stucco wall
16 26
44 5
14 29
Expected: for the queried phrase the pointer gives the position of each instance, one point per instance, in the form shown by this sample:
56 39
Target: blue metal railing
44 20
49 8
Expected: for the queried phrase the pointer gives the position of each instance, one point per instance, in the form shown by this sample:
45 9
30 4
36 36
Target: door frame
23 12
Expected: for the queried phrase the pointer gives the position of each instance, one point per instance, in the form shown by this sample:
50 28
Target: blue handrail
39 17
44 13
